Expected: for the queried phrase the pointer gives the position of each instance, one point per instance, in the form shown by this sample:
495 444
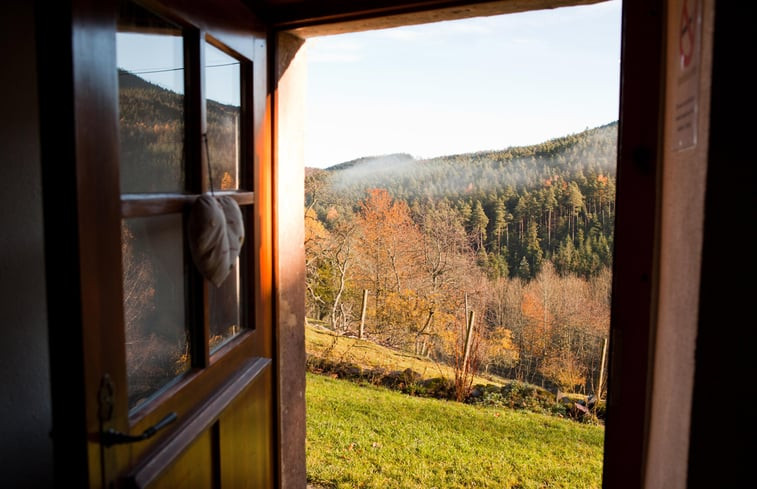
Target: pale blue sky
160 60
462 86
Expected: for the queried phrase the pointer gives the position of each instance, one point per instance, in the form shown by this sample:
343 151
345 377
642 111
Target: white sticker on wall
686 110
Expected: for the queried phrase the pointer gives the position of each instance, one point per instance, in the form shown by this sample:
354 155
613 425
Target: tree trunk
420 340
338 296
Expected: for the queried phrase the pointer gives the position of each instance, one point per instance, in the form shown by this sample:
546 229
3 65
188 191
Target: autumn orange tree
387 259
504 314
559 333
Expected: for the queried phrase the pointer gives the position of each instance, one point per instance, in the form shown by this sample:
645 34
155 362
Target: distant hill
393 160
479 174
151 130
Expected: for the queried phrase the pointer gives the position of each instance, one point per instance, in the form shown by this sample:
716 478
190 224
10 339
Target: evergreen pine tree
478 223
500 221
533 249
524 271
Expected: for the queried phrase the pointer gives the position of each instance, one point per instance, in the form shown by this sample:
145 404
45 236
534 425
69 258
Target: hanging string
207 158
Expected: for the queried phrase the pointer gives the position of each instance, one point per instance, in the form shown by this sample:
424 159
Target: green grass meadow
370 437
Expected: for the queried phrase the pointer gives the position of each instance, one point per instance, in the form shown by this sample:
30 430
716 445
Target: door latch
112 437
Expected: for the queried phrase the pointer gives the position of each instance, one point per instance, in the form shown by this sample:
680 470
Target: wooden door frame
65 145
637 240
635 268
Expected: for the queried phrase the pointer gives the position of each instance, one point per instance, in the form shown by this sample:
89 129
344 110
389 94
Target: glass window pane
223 94
150 60
157 345
225 311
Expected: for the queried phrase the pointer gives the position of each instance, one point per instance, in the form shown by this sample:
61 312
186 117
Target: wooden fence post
598 390
361 332
468 342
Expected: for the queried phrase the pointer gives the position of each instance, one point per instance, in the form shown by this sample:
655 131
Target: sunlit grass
366 354
369 437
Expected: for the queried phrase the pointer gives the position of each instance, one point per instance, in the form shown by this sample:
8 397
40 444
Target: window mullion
198 312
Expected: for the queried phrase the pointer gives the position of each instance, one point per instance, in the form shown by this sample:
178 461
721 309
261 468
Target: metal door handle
112 437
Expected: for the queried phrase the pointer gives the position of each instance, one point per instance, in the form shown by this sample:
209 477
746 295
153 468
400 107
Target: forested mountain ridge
553 200
478 174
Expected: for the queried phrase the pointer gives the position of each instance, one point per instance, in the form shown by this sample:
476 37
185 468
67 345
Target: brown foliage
418 265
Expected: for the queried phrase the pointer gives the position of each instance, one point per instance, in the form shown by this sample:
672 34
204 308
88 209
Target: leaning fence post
361 332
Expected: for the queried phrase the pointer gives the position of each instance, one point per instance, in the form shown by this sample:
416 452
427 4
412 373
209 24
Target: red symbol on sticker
688 38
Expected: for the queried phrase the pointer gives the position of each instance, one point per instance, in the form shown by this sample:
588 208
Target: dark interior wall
25 405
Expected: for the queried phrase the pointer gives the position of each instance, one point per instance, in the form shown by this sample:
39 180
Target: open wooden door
160 378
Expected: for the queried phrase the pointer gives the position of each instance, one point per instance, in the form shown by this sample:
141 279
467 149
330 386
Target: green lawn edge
371 437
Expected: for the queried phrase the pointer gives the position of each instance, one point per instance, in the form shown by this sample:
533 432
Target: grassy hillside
323 343
372 437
